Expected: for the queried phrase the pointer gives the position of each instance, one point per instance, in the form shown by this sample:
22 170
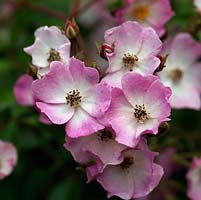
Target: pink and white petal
115 59
39 52
160 13
121 118
151 44
8 158
149 127
23 92
84 77
147 65
185 96
135 86
51 36
117 182
82 124
57 113
76 147
109 152
97 99
152 183
184 51
156 100
128 35
64 51
54 86
114 79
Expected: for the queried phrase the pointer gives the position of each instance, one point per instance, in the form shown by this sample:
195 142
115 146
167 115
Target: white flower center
175 74
127 162
73 98
129 60
53 55
141 114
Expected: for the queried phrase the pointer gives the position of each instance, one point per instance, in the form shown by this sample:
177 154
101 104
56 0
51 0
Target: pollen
73 98
176 75
106 135
141 114
53 55
127 162
141 12
129 60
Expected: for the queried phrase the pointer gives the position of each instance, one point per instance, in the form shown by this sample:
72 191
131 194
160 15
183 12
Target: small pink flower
73 95
50 45
100 147
135 177
183 71
135 49
23 92
194 180
8 158
24 95
138 108
154 13
197 4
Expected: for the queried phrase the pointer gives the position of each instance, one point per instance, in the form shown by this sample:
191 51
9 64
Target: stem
41 9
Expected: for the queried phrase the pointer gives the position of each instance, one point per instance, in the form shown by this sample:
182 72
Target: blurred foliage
45 170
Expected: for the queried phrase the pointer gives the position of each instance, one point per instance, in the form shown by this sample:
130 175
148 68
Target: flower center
106 135
53 55
141 114
129 60
73 98
141 12
127 162
176 74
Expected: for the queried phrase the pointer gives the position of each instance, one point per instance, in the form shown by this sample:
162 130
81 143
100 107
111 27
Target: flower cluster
105 118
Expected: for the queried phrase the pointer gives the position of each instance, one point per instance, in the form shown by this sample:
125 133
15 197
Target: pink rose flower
183 71
138 108
135 49
73 95
194 180
99 147
50 45
154 13
8 158
23 92
24 95
135 177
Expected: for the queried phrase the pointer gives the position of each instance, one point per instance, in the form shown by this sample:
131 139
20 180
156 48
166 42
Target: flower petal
51 36
97 99
39 52
23 92
55 85
57 113
82 124
84 77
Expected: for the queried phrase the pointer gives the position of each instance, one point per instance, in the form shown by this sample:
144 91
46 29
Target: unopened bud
71 29
106 49
163 128
162 63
